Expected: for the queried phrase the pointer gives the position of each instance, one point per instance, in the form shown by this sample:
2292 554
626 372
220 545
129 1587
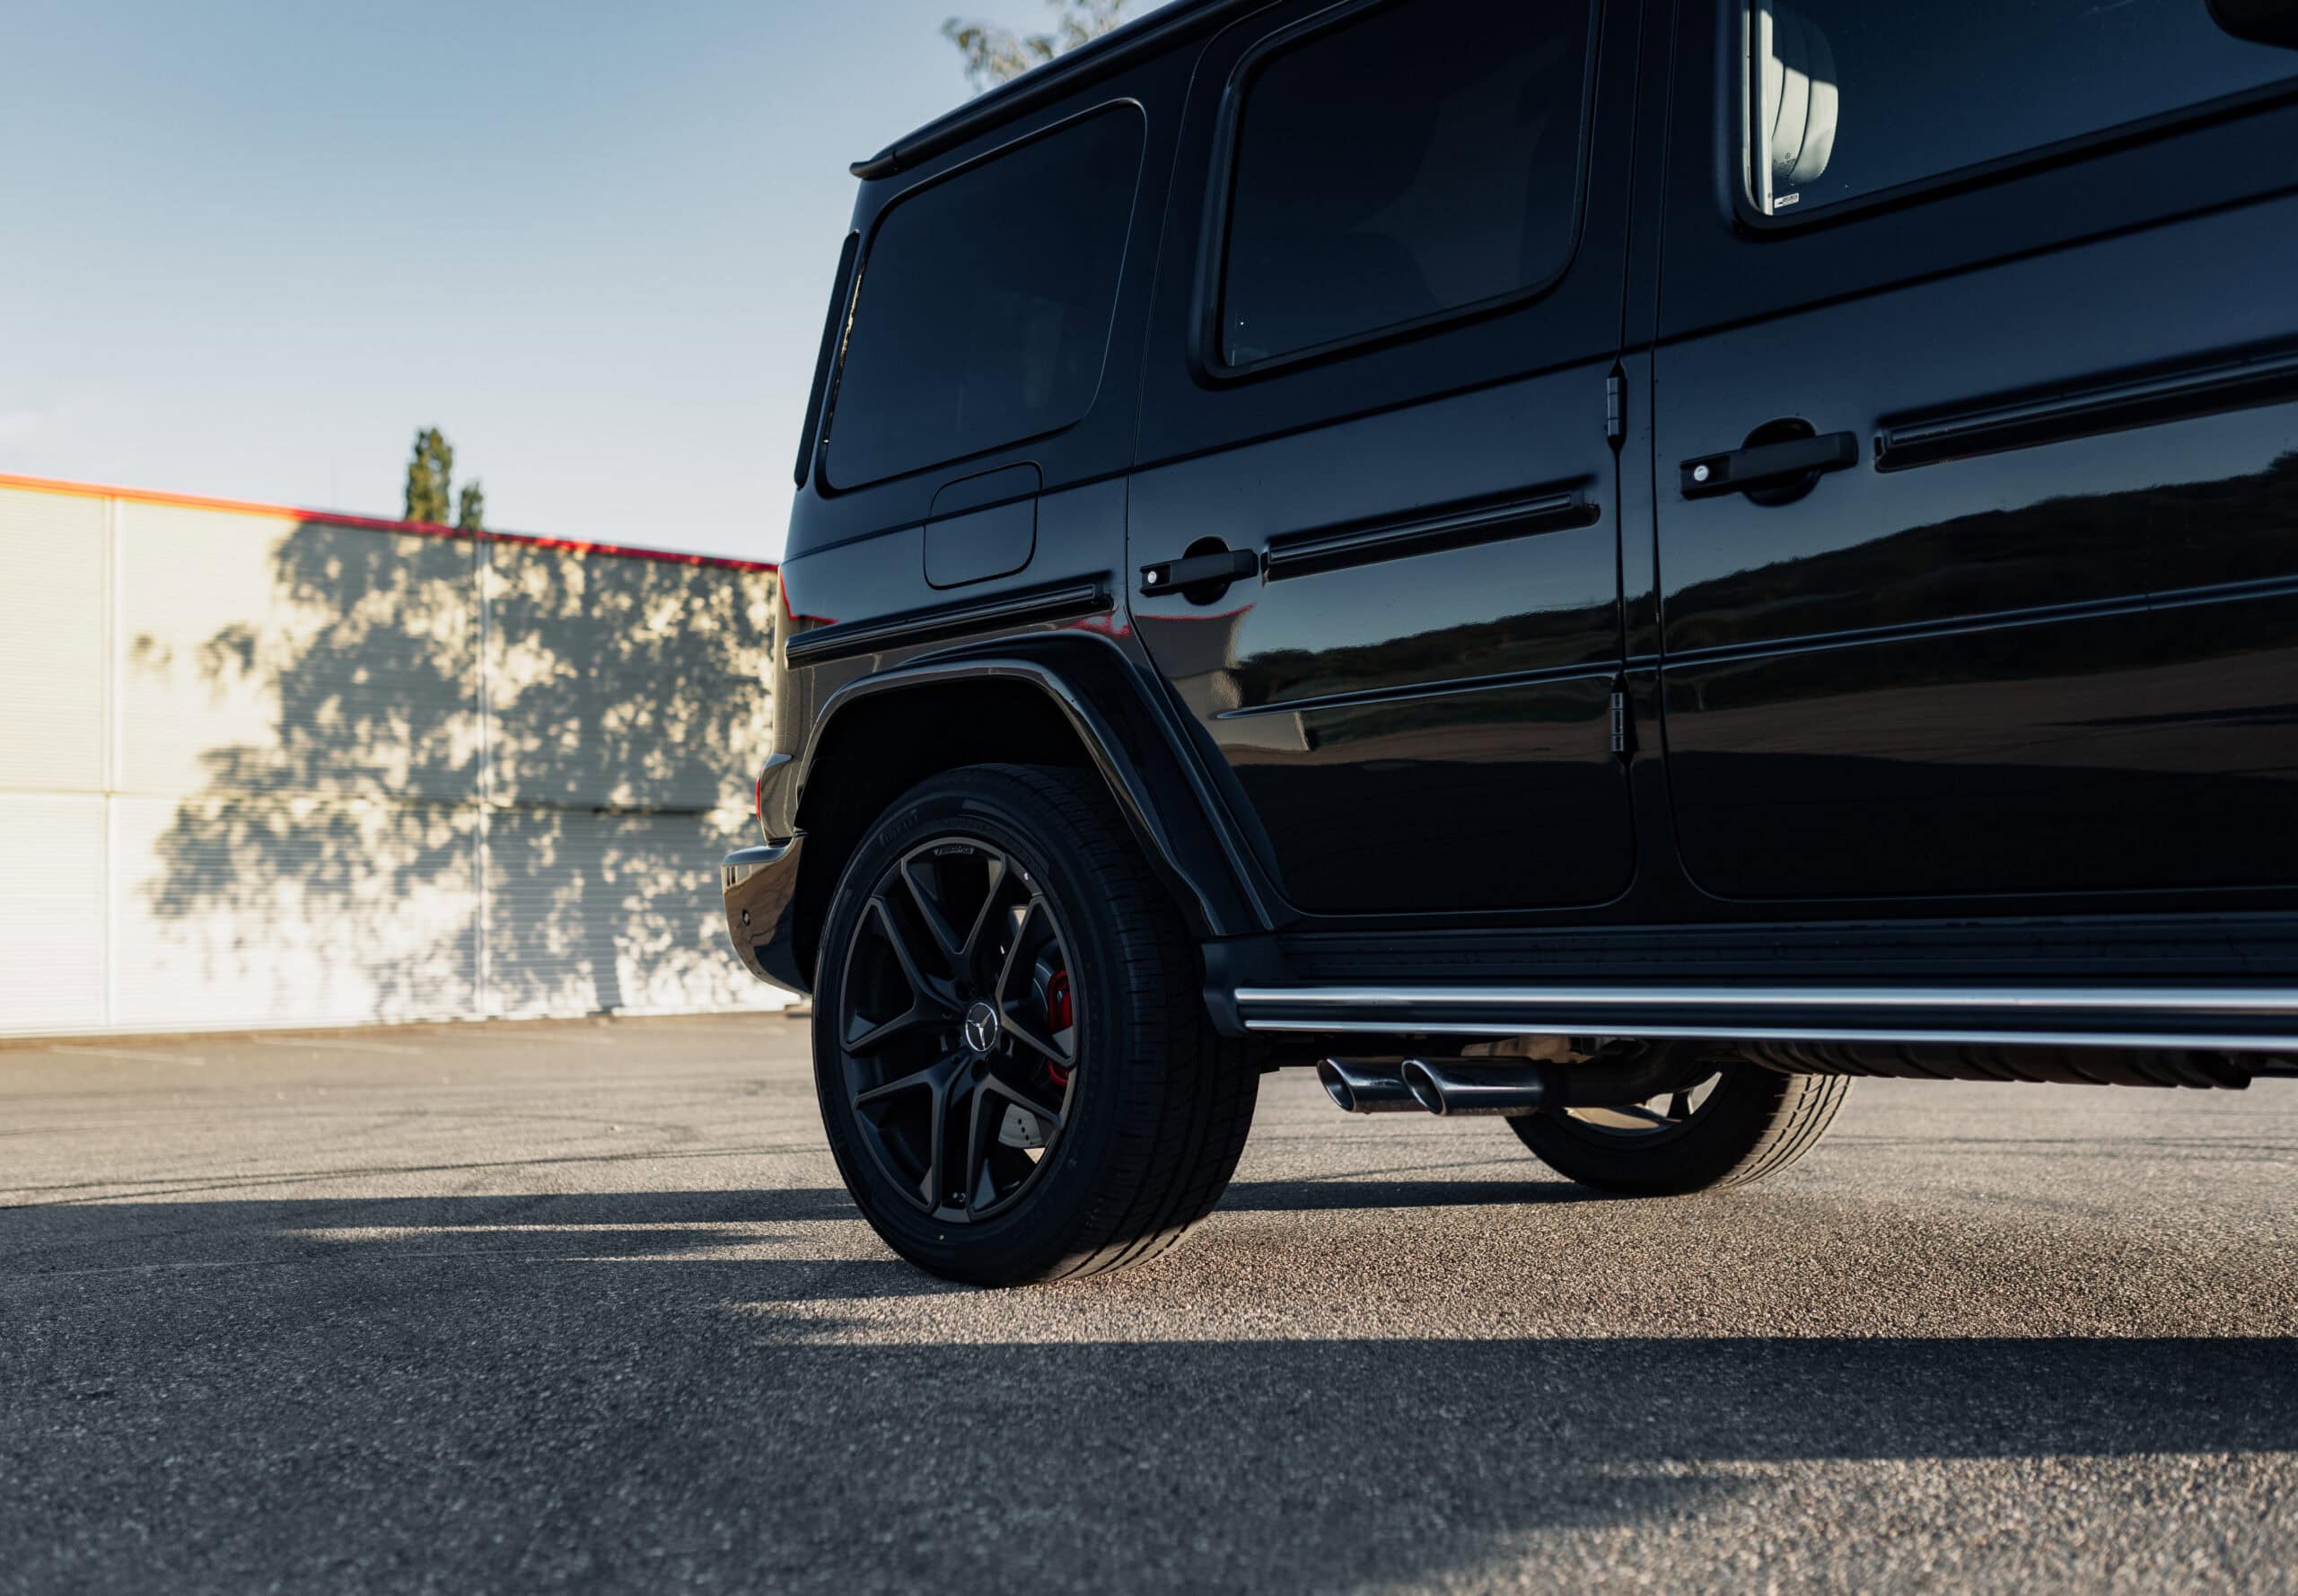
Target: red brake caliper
1060 1013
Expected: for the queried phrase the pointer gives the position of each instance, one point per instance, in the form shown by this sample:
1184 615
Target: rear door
1977 501
1375 535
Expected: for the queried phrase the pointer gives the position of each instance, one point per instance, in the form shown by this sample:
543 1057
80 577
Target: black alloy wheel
1012 1051
1738 1124
959 1027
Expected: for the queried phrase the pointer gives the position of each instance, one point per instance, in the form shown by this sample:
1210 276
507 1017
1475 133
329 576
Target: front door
1375 530
1976 474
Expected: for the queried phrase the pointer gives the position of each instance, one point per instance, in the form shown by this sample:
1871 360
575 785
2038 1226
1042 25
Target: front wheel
1741 1123
1014 1062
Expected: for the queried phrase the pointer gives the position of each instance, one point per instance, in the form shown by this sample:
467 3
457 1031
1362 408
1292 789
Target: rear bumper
761 887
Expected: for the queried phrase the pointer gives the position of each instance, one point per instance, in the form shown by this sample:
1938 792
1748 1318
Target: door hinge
1623 728
1615 407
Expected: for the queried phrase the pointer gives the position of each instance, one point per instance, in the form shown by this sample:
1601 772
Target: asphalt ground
583 1307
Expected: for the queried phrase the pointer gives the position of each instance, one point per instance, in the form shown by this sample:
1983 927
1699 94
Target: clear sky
247 247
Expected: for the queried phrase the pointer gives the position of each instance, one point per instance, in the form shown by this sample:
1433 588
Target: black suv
1613 563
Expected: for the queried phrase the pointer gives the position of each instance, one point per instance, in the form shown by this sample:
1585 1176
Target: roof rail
1095 59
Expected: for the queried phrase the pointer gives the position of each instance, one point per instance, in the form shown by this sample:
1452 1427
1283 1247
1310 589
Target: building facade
268 768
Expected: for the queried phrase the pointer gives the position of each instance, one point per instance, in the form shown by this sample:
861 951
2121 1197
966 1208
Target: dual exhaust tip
1419 1084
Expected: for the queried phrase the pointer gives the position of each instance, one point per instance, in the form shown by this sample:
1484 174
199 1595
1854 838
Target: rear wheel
1739 1124
1010 1049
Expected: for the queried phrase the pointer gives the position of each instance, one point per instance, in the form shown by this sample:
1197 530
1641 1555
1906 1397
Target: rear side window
1849 98
983 312
1412 161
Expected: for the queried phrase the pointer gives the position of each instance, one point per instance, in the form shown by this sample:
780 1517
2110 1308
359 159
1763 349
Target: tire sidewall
1053 1218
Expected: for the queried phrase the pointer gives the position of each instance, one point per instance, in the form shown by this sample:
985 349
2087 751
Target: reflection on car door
1978 504
1392 408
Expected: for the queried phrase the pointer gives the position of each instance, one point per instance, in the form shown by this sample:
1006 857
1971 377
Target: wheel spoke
980 1191
931 1078
1024 1031
956 935
969 953
930 1185
1036 1041
877 1036
1049 1120
1622 1116
1679 1106
903 956
927 1004
1014 953
937 924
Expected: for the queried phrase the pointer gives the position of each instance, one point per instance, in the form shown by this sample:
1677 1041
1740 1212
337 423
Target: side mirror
2261 21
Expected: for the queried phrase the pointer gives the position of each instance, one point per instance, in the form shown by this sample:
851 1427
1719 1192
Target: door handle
1769 465
1199 571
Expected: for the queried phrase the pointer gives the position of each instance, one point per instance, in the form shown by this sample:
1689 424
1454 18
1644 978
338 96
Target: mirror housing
2261 21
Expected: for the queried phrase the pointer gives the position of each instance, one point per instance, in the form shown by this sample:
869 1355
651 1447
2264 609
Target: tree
428 476
430 481
995 54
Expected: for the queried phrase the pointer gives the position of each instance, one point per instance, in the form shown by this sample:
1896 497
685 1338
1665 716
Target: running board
2215 1018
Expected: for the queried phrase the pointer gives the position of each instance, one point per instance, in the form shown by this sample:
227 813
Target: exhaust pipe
1365 1088
1483 1088
1453 1088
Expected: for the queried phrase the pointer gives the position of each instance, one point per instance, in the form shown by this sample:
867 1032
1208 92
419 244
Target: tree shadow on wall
491 777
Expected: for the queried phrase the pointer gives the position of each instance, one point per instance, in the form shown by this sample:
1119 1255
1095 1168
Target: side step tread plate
2228 1017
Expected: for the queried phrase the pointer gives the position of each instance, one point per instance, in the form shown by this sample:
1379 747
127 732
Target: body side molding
2112 404
1063 601
1305 553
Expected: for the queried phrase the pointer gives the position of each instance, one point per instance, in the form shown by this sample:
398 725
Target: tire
997 954
1751 1122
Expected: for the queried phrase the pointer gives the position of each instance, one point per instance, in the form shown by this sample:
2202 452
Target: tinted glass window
1849 96
1414 160
984 309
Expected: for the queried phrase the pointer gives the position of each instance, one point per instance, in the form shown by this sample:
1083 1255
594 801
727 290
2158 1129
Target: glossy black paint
761 890
1139 754
1438 627
983 526
2029 659
2039 643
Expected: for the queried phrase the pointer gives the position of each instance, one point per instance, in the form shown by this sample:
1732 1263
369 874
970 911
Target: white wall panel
589 911
261 655
621 683
260 910
51 641
52 916
243 768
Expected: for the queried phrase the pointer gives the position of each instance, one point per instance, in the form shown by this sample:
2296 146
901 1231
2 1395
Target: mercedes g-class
1615 564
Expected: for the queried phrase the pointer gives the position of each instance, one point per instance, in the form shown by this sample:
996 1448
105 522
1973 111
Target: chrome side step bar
2214 1018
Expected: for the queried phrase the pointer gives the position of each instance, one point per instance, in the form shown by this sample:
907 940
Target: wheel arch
1043 701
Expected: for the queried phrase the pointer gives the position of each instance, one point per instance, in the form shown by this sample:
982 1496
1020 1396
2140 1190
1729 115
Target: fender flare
1128 733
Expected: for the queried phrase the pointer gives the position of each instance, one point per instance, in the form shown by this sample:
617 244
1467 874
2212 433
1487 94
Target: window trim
825 458
1220 196
835 322
1741 114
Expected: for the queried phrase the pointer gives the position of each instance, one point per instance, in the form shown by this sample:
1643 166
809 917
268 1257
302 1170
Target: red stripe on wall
423 528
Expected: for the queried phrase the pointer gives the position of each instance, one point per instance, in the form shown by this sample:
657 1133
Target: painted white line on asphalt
130 1053
333 1046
